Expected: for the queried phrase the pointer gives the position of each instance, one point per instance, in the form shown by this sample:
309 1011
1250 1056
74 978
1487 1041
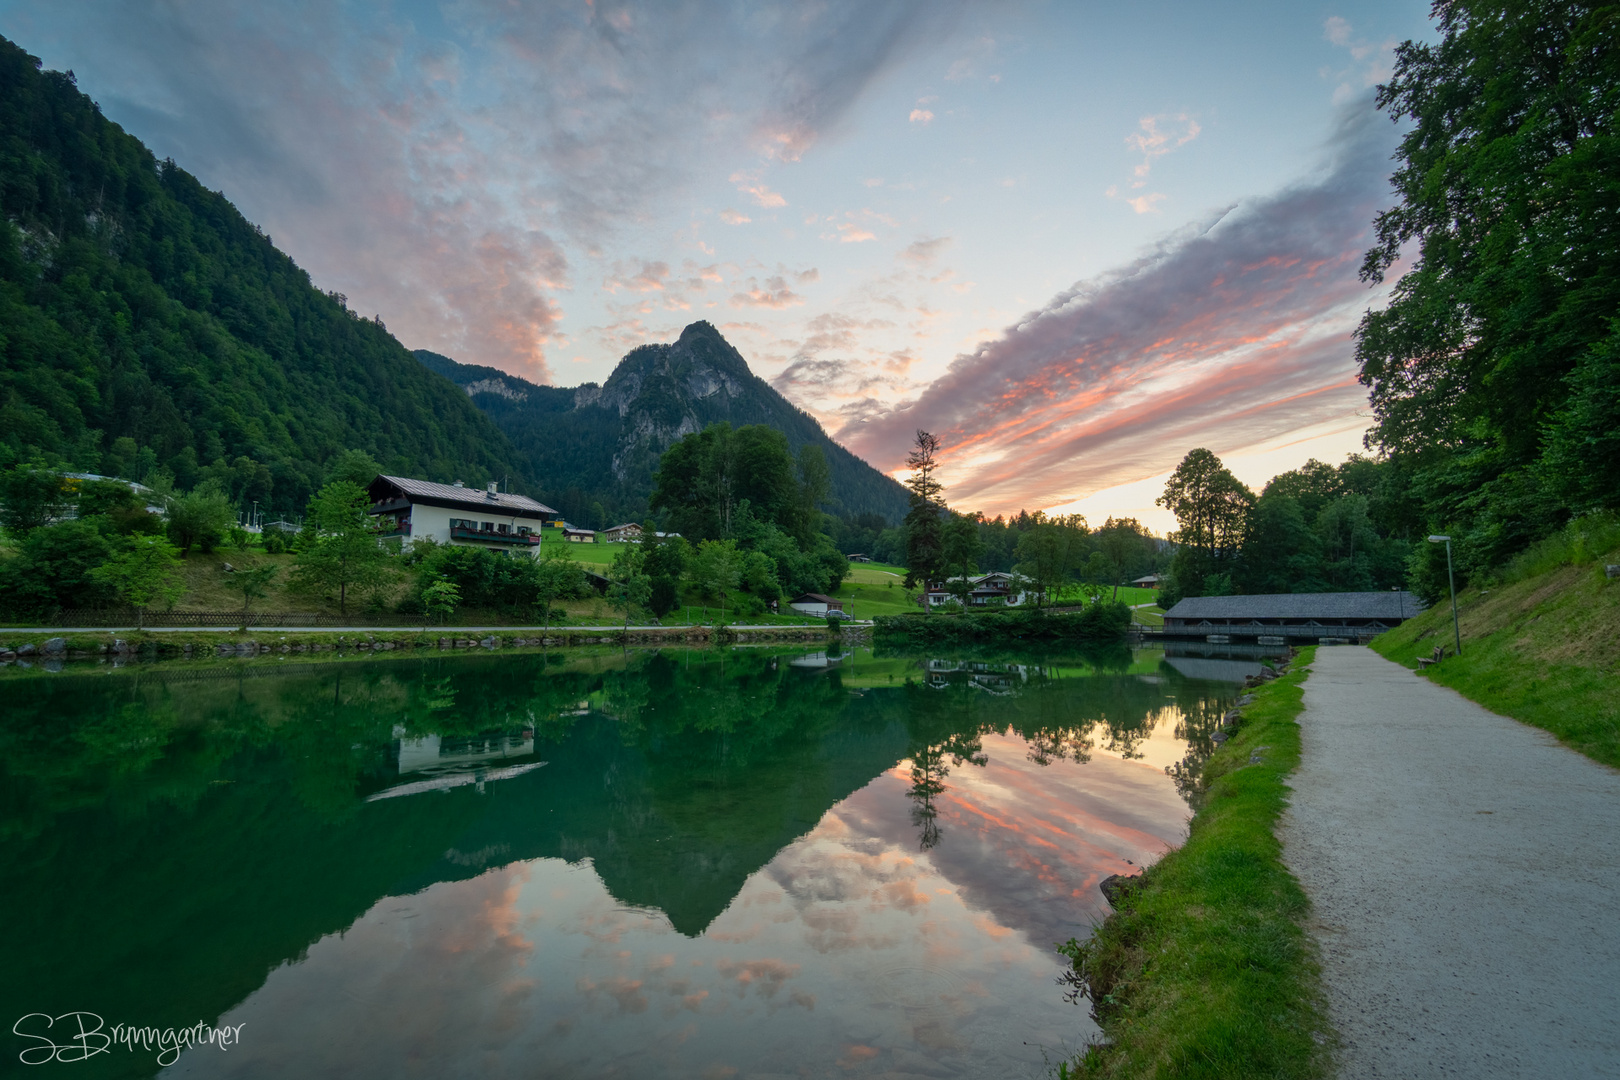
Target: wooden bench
1439 655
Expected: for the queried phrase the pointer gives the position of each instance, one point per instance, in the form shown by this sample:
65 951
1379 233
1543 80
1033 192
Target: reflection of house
455 514
816 660
983 591
1290 618
814 603
437 753
996 678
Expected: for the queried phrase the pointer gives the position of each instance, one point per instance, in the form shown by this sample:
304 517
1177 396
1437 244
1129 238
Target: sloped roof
450 495
1333 605
815 598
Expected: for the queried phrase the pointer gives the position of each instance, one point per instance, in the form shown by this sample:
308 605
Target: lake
685 863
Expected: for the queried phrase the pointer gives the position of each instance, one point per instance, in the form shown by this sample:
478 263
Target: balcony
490 536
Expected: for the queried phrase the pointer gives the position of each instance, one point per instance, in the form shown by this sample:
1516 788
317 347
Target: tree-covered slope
590 444
144 322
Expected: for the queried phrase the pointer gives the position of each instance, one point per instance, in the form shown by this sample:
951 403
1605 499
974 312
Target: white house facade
454 514
985 590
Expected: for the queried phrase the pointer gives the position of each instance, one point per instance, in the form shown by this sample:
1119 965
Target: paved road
1465 873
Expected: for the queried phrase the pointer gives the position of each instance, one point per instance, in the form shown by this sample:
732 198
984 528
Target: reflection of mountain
656 838
164 845
245 842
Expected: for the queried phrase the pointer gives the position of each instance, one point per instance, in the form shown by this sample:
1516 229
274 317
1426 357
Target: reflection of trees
1065 709
1200 719
928 773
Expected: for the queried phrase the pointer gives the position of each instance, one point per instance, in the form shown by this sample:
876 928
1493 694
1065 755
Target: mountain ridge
146 324
655 395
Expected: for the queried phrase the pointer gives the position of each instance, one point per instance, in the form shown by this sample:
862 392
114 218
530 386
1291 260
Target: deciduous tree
628 584
342 553
962 549
143 571
1211 507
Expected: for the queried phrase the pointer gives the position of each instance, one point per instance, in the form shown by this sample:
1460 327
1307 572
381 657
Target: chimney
492 487
458 483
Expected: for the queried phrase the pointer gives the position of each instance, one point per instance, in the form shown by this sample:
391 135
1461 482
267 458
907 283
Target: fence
126 617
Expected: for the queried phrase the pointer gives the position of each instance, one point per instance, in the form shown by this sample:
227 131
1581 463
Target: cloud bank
1229 333
450 166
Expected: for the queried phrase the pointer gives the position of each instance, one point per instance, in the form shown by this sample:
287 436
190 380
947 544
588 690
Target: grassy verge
1206 969
1541 645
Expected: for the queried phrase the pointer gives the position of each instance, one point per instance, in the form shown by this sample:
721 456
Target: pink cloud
1228 333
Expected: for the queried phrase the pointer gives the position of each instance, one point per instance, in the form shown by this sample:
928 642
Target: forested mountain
593 449
145 323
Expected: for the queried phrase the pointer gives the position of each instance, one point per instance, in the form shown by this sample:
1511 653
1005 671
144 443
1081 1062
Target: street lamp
1452 578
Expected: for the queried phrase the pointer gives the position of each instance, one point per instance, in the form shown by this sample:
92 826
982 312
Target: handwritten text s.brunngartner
83 1035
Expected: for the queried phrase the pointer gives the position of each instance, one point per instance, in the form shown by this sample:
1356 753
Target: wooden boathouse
1290 618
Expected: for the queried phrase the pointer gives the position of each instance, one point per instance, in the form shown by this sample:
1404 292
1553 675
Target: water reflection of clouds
851 951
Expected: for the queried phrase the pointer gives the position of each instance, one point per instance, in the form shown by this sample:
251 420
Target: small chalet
575 535
1290 618
860 558
984 590
814 603
1150 581
621 534
456 514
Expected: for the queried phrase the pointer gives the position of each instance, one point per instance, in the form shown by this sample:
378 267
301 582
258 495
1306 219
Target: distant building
1290 618
575 535
620 534
1150 581
813 603
456 514
860 558
73 479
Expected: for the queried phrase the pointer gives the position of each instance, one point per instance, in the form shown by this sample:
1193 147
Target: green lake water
691 863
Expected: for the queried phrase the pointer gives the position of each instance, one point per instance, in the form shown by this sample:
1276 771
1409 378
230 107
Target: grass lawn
1543 649
870 573
590 554
209 586
1206 970
1149 616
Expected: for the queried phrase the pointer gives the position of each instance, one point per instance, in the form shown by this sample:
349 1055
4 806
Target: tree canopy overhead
1492 370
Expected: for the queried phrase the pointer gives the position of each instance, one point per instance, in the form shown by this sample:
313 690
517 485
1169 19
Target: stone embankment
58 648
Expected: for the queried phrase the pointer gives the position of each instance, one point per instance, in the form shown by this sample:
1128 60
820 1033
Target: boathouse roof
1384 606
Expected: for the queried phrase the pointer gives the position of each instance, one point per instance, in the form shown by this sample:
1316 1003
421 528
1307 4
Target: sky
1075 240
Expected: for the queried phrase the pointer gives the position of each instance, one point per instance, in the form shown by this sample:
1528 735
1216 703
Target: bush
1097 622
275 543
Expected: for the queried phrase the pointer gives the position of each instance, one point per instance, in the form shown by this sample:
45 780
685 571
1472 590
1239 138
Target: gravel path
1465 872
